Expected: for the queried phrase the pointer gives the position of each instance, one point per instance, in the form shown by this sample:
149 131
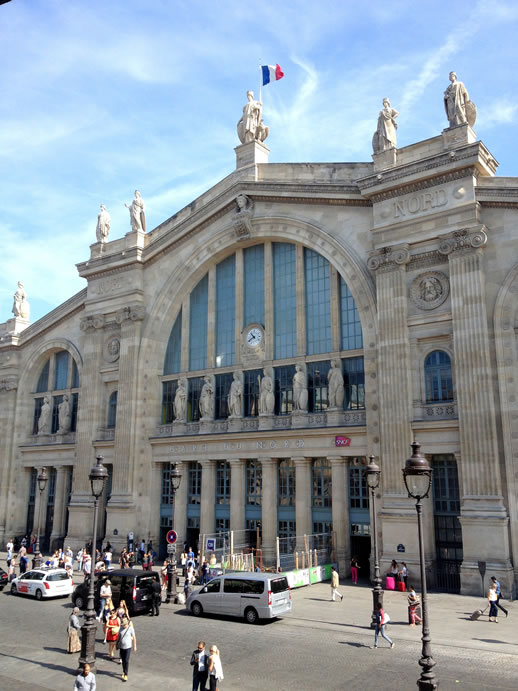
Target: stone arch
32 368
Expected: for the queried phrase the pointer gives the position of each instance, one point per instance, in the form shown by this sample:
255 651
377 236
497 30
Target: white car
43 582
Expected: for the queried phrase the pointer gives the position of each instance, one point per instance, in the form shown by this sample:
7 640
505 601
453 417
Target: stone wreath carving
430 289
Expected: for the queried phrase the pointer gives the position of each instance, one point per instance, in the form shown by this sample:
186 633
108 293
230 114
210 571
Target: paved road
321 645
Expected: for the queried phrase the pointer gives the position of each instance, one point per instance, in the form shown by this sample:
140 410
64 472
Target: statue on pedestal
335 380
180 401
103 225
266 395
385 136
459 109
207 399
44 418
300 389
251 127
64 415
137 215
21 307
235 396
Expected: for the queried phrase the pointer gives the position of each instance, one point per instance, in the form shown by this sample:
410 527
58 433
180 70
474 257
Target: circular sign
171 537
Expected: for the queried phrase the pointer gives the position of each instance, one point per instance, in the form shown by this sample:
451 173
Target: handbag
386 618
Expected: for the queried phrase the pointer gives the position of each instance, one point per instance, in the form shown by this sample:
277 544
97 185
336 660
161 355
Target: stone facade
425 242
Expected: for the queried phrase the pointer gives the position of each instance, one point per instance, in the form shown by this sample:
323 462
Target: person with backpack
382 620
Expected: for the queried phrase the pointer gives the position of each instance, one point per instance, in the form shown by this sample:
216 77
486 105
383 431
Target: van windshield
279 585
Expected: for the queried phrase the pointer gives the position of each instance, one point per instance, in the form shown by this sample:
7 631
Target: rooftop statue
137 215
459 109
20 305
385 136
251 127
103 225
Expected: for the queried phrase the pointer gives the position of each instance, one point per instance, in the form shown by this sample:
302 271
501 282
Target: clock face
254 337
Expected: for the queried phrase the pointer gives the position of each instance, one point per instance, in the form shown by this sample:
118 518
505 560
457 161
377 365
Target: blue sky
103 97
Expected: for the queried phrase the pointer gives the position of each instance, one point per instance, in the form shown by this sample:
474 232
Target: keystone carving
133 313
93 321
242 217
389 257
463 240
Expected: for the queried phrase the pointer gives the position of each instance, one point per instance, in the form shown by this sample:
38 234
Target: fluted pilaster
270 468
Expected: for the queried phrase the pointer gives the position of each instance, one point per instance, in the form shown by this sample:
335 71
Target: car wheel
38 594
196 609
251 616
79 602
14 589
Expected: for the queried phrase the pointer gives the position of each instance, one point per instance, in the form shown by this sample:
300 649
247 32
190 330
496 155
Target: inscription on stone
424 201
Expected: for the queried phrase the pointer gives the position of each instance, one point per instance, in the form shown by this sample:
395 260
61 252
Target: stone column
208 496
484 520
270 467
341 521
237 498
303 499
58 526
180 509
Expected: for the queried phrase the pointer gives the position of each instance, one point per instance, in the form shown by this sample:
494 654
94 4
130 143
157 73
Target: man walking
200 667
155 592
499 595
334 585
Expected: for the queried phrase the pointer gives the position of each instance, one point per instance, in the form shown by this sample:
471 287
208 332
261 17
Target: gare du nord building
401 273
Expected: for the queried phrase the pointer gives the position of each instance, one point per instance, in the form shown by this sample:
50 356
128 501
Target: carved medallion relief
430 289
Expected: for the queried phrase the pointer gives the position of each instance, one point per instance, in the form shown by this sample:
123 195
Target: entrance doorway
361 549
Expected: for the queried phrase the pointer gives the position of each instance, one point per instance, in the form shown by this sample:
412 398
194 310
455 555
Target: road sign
210 544
171 537
171 549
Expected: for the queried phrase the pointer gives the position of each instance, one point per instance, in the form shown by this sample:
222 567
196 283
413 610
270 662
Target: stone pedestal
206 426
235 424
251 153
179 427
266 421
16 325
457 136
385 159
335 417
134 239
299 418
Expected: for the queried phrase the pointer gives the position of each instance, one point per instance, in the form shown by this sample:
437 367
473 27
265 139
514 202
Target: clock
254 337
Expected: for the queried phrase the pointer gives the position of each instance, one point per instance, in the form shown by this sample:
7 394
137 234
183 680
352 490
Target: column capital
465 240
237 462
92 322
337 460
301 460
269 462
389 258
207 462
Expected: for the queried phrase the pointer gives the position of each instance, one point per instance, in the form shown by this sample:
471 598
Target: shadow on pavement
355 645
57 650
493 640
60 668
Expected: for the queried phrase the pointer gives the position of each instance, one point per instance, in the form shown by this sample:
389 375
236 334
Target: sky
102 97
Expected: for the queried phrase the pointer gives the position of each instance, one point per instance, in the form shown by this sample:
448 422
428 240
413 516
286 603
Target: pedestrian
215 669
80 556
131 560
74 644
403 574
382 620
155 594
108 606
163 575
200 667
113 626
393 570
11 570
87 565
142 551
354 570
413 604
499 594
492 599
105 593
86 680
125 642
205 572
107 558
9 548
23 561
334 585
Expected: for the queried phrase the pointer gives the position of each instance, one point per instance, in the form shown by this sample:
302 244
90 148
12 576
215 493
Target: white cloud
500 112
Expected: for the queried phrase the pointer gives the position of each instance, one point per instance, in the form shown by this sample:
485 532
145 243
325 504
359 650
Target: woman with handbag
381 620
74 644
125 642
413 604
113 626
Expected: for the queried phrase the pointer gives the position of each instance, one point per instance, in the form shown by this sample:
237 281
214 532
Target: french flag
271 73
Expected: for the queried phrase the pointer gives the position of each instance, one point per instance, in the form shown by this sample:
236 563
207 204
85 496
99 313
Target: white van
242 594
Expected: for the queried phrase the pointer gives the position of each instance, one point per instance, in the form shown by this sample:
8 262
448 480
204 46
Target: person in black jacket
155 592
200 667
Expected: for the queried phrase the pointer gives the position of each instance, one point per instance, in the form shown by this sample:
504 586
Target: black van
127 584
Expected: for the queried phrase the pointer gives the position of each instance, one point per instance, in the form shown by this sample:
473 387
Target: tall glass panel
193 398
251 392
223 383
75 375
168 394
173 354
112 411
354 383
321 472
350 325
317 386
438 377
284 300
43 381
199 302
284 389
61 372
318 303
253 285
254 483
225 311
287 483
194 483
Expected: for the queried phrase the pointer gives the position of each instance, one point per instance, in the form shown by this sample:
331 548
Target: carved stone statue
207 399
266 395
64 415
180 401
103 225
385 136
44 418
251 127
242 216
20 305
137 215
459 109
300 389
235 396
335 380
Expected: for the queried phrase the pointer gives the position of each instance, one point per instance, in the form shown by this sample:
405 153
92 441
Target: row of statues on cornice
266 403
137 218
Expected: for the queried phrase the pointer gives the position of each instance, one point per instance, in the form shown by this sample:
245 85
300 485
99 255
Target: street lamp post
176 478
42 483
98 476
373 473
417 475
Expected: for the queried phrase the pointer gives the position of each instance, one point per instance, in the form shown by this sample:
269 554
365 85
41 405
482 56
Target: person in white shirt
215 668
107 558
9 549
87 565
104 594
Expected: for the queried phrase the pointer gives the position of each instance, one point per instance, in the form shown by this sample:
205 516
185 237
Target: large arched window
58 383
438 377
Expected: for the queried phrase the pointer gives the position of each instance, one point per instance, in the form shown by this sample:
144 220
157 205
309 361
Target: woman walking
381 620
113 626
74 644
215 669
413 604
126 641
492 599
354 570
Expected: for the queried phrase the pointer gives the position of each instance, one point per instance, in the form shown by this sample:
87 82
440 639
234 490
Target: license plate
281 602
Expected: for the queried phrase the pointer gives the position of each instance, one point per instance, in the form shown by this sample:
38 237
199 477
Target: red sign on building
342 441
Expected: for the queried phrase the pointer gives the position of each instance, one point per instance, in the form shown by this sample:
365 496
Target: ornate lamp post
98 476
42 483
373 473
176 478
417 475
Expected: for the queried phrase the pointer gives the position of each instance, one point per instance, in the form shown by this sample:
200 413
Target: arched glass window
438 377
318 303
284 300
198 325
112 411
225 311
57 382
350 325
173 354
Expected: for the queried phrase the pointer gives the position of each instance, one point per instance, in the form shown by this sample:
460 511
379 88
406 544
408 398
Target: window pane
318 305
75 375
43 381
198 325
317 386
225 311
222 482
194 486
253 285
112 410
251 392
168 394
284 300
61 373
354 382
438 377
350 325
287 483
254 483
284 389
193 398
173 354
223 383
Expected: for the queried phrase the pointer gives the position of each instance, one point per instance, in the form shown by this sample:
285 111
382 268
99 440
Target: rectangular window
354 383
318 303
199 310
61 372
321 471
194 387
284 300
51 498
73 415
75 375
194 483
31 502
251 392
38 402
254 483
223 383
286 483
225 311
253 279
168 394
284 389
358 489
166 496
317 386
222 525
222 482
55 414
350 325
287 536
